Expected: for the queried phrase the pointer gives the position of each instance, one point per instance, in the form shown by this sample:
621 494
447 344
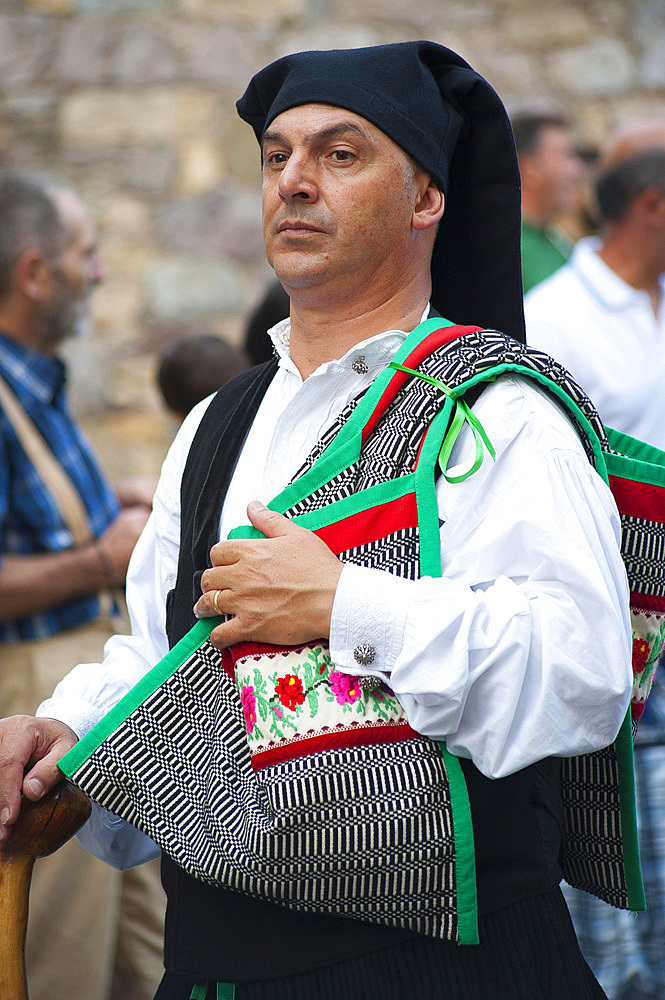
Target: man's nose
296 180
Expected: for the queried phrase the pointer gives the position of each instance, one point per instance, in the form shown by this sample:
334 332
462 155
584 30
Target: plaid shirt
30 521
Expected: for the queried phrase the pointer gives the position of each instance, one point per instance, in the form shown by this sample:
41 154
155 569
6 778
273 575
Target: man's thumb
270 522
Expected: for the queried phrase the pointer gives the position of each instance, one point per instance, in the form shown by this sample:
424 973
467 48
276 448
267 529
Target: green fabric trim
638 460
142 690
373 496
226 991
465 856
430 565
428 513
623 746
492 373
461 415
199 992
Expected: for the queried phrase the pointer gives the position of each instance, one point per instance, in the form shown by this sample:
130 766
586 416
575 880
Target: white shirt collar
375 351
601 281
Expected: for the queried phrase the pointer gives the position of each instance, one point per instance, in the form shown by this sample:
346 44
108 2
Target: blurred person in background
195 367
273 307
65 539
603 317
551 173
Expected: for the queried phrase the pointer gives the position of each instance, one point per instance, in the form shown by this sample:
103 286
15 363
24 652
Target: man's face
338 198
560 169
75 274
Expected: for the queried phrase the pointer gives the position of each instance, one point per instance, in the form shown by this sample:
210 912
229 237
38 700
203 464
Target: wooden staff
41 829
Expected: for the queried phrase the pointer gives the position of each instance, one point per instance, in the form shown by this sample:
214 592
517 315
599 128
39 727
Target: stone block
187 289
223 222
255 12
118 116
604 67
653 63
241 152
201 166
545 27
26 43
629 110
197 109
122 6
216 52
51 6
80 54
115 308
126 216
140 55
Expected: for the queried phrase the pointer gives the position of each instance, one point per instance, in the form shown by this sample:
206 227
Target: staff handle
42 827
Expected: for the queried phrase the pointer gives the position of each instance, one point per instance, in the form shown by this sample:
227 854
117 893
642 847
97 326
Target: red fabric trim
244 649
639 499
437 338
357 736
647 602
369 525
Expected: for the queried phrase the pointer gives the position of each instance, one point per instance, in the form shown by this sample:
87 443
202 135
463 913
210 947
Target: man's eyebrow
332 132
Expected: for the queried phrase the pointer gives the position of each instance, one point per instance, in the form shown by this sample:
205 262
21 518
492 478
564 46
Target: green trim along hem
623 746
223 991
465 857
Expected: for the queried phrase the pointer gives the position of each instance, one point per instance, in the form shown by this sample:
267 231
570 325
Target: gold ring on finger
215 604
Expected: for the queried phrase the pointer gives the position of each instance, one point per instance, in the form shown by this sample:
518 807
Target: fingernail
4 816
255 505
36 787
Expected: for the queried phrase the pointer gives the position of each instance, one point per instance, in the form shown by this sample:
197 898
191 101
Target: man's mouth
297 226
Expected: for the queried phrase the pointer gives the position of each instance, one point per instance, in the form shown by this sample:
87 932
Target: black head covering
430 102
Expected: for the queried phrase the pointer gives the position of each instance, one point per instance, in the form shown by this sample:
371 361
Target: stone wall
132 101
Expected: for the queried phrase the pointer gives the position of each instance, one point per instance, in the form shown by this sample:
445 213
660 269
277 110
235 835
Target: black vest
214 934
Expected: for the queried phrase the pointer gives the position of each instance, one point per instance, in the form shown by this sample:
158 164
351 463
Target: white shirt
521 650
605 333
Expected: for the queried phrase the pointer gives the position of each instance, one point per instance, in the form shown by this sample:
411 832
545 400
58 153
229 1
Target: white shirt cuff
368 620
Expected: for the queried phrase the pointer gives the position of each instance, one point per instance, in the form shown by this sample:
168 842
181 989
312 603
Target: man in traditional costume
405 658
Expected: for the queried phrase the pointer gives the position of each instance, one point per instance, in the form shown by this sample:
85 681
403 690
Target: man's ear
33 275
429 206
652 204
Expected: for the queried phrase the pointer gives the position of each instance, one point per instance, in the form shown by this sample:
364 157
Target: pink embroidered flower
640 655
289 691
345 687
248 699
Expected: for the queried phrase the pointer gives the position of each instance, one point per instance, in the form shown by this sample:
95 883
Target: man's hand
29 751
280 588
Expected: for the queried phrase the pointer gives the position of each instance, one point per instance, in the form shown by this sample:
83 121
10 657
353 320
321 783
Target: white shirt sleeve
521 649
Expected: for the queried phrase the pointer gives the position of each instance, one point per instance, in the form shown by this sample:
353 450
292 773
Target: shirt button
364 654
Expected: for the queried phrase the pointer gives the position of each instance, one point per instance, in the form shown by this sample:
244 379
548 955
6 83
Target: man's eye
341 155
276 158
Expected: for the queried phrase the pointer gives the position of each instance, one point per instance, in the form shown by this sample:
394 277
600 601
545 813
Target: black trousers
527 951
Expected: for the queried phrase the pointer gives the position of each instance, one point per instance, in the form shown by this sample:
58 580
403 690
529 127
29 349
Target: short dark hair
528 125
29 218
619 185
195 367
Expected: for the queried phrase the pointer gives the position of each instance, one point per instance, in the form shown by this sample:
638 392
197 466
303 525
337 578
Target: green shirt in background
544 250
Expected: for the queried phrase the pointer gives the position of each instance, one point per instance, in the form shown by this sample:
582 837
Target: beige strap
51 472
